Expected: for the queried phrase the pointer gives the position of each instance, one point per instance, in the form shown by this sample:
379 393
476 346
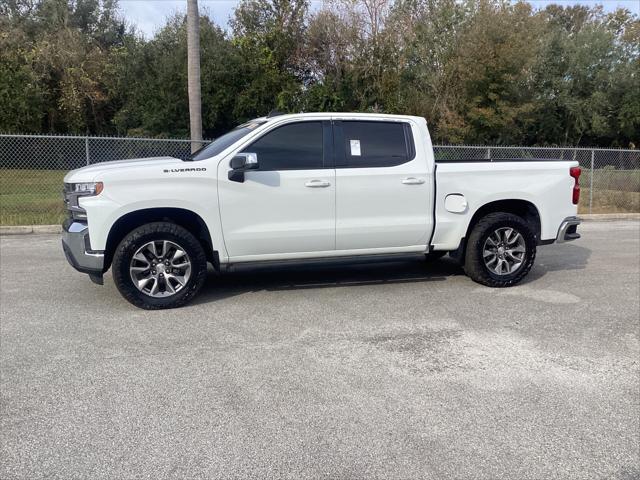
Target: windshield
229 138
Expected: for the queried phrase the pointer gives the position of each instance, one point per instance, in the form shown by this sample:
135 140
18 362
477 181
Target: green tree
586 78
267 35
59 49
480 71
152 82
21 95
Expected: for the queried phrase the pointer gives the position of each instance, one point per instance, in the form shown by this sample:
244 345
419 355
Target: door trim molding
323 255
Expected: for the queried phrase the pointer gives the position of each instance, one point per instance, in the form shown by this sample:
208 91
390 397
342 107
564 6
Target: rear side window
295 146
376 144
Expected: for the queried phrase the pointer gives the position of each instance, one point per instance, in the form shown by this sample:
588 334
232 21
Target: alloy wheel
160 268
504 251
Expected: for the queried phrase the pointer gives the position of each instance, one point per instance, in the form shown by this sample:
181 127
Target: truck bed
537 181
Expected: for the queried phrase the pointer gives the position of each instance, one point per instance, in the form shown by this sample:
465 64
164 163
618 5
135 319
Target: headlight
87 188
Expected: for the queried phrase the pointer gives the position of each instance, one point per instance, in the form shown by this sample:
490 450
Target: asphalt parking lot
397 369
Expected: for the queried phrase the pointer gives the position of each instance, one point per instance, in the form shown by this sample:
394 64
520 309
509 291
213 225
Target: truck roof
355 115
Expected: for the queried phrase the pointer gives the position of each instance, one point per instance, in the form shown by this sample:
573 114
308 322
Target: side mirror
240 164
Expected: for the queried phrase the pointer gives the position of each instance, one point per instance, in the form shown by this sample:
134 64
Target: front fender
104 211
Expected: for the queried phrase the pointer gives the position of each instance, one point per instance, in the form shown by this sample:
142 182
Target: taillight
575 173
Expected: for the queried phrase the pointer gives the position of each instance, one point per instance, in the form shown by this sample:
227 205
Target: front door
287 205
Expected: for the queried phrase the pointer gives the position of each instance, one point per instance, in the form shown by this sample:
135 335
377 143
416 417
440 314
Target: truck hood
92 173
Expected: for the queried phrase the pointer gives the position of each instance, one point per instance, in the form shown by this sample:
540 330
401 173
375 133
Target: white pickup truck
311 186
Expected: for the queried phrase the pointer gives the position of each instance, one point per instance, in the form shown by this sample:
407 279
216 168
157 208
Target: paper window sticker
355 148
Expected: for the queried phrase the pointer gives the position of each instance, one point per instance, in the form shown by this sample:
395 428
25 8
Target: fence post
488 153
591 182
86 149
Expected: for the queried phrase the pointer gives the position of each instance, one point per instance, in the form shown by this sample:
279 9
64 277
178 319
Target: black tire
435 255
159 231
474 264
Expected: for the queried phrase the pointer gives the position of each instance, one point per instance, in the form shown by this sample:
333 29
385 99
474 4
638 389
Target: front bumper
568 230
77 249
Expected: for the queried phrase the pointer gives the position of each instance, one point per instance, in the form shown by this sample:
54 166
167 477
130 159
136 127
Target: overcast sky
149 15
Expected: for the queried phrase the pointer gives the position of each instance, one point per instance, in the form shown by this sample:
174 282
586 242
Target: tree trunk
193 74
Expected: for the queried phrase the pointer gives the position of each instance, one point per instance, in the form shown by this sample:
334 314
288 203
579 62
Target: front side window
376 144
295 146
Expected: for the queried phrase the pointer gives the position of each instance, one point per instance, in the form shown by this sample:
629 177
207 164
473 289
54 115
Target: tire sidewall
158 232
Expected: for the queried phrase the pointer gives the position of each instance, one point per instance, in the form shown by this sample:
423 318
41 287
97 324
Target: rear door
286 206
383 196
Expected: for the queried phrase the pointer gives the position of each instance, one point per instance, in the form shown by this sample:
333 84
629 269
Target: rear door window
375 144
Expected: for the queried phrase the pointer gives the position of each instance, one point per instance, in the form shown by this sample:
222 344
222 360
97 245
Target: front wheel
500 250
159 265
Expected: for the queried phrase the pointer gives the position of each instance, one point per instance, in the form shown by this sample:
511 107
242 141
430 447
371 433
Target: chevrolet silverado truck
311 186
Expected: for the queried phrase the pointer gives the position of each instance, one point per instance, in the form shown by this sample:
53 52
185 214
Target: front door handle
317 184
413 181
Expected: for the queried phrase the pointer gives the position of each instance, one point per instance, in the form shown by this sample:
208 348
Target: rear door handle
317 184
413 181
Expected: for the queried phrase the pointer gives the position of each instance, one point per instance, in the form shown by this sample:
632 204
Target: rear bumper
568 230
77 249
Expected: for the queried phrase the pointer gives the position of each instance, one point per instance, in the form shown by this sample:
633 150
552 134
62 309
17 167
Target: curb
30 229
49 229
603 217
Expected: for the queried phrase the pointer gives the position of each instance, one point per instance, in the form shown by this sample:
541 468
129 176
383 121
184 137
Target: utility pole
193 74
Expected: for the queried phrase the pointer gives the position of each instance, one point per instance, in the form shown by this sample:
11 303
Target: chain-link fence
32 168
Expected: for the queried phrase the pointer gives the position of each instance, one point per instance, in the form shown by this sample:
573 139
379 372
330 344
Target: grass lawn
609 201
34 197
31 197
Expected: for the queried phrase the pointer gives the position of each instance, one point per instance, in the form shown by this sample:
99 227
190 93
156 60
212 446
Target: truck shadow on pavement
334 274
343 273
554 258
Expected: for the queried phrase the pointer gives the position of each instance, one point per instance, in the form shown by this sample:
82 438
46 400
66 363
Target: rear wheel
500 251
159 265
